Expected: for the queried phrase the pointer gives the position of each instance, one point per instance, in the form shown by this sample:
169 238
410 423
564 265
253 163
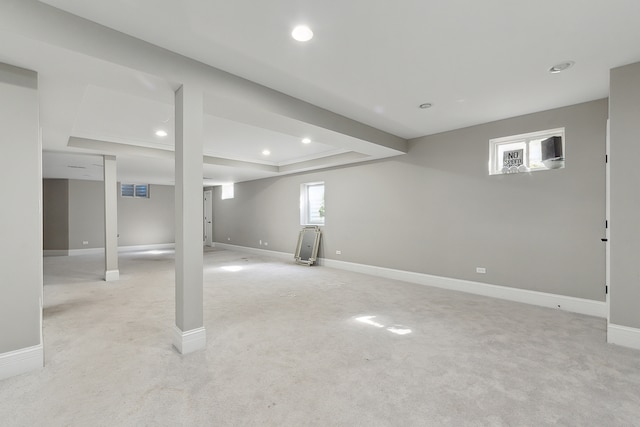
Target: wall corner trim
20 361
542 299
623 336
189 341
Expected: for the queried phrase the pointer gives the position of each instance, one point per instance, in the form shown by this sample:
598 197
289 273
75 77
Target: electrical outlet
481 270
260 242
228 239
85 242
338 252
266 244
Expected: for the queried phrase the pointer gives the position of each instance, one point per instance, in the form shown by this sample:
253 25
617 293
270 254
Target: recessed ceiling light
561 67
425 105
306 140
161 133
266 152
302 33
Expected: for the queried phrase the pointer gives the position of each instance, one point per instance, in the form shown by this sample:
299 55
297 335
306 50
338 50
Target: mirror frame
314 250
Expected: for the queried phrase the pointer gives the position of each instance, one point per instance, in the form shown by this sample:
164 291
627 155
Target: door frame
607 228
207 215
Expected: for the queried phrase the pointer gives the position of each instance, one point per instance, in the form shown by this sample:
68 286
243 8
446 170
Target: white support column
189 333
111 271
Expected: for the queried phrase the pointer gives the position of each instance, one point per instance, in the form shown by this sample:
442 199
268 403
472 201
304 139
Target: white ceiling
372 61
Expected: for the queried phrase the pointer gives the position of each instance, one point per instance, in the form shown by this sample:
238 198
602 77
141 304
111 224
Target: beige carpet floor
291 345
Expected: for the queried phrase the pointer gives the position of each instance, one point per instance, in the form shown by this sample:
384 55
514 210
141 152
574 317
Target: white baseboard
256 251
623 335
543 299
189 341
55 252
97 251
158 246
21 361
111 275
88 251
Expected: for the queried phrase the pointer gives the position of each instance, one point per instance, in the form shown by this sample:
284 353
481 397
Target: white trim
133 248
88 251
21 361
256 251
111 275
623 335
55 252
189 341
607 218
543 299
156 246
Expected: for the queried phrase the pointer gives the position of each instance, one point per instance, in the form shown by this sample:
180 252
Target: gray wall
55 208
147 221
21 214
140 221
86 214
625 196
437 211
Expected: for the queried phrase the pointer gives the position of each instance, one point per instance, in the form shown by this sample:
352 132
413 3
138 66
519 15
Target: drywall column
624 111
189 331
21 347
111 271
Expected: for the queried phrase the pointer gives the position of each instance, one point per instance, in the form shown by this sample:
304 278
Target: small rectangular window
127 190
312 210
141 190
528 152
134 190
227 191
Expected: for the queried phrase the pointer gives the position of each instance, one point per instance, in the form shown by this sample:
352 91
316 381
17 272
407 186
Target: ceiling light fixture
425 105
558 68
306 140
161 133
302 33
266 152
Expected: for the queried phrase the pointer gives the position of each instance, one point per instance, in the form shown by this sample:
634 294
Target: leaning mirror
308 242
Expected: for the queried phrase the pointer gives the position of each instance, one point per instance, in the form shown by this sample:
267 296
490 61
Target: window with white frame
529 152
312 210
134 190
227 191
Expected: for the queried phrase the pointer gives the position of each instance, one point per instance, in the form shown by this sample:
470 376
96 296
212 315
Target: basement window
227 191
312 210
529 152
134 190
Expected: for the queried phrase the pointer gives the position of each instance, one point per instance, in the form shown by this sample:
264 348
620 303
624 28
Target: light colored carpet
291 345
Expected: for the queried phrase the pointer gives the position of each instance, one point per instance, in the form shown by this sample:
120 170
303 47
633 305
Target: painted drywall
86 214
624 116
437 211
55 208
147 221
140 221
21 214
